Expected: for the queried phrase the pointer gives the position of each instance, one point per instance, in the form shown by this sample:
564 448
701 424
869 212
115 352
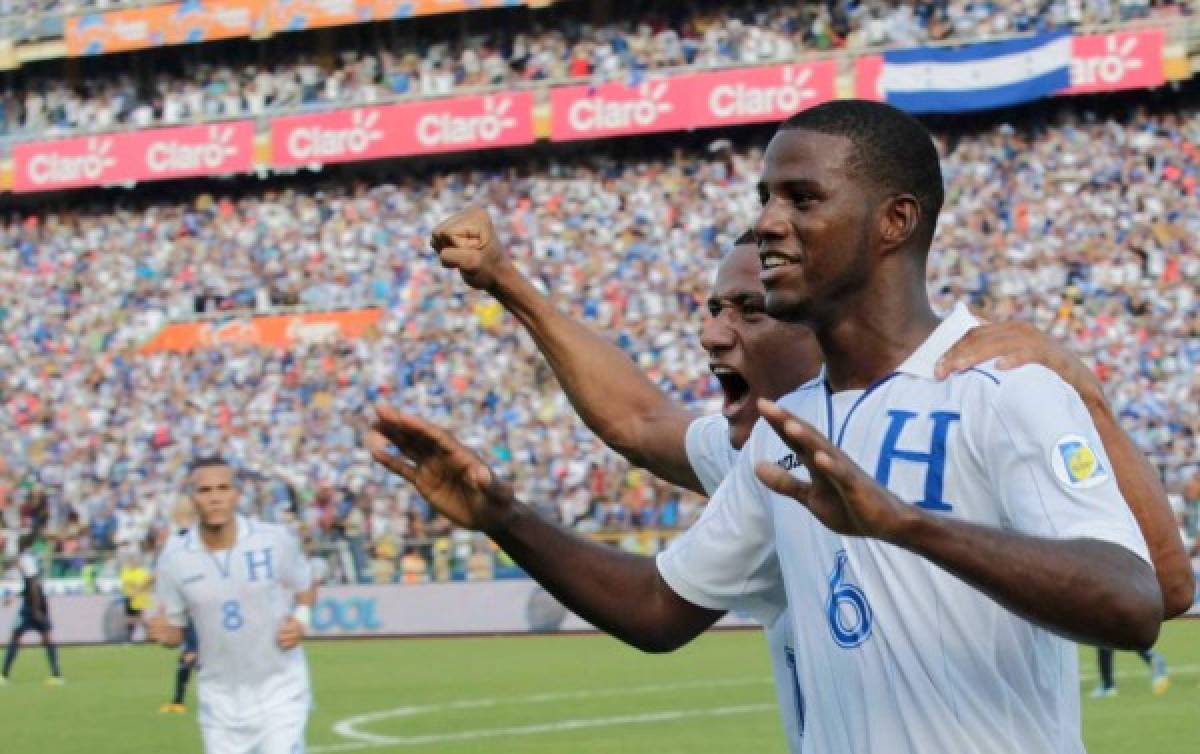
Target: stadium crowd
700 33
1084 225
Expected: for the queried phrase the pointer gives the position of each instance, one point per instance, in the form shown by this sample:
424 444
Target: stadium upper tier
1084 225
555 45
100 26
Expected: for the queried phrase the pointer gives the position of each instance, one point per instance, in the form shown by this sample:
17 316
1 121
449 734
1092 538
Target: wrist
302 614
505 280
912 527
506 513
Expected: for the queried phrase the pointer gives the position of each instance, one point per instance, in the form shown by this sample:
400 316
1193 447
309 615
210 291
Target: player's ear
899 216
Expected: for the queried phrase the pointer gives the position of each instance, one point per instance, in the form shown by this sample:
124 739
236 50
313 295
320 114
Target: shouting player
33 615
872 212
246 588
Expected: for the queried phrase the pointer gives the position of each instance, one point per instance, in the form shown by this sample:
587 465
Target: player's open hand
466 241
1012 345
291 631
450 477
840 494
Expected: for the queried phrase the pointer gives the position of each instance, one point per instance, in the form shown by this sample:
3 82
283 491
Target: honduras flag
979 76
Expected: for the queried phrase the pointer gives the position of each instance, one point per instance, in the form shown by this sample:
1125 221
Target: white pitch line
348 728
560 725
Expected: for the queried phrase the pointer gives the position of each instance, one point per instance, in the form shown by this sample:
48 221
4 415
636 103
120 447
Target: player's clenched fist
160 631
291 631
466 241
451 478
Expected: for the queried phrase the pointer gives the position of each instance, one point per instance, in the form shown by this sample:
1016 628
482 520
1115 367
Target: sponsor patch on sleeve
1076 464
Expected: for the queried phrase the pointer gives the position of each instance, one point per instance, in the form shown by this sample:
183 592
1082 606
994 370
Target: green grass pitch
539 695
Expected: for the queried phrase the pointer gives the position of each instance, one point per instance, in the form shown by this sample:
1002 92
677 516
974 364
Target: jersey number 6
848 611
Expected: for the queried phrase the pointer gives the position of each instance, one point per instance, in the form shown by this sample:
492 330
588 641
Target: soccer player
245 585
33 615
933 640
1160 679
188 657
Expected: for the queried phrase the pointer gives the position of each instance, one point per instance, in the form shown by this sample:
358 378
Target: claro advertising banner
411 128
185 22
488 607
132 156
280 331
704 100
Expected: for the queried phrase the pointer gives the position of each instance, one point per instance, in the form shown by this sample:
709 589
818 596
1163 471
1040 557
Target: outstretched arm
1086 589
619 593
612 396
1016 344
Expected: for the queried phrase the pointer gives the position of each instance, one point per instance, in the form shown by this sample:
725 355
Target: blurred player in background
189 655
183 517
1160 679
33 615
135 588
246 586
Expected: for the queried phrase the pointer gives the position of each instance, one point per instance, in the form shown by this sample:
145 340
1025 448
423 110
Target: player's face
214 495
814 227
751 354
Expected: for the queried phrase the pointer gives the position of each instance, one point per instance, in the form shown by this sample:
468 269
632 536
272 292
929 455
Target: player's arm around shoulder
1009 345
1048 471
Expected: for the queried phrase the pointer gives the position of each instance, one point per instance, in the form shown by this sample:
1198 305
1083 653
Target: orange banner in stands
297 15
280 331
184 22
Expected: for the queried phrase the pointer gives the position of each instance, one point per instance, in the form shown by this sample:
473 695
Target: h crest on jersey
934 459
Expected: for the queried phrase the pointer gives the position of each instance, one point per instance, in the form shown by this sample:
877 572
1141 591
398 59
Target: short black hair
891 149
207 462
746 239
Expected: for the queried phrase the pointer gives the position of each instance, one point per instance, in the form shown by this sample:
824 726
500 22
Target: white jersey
712 456
903 657
237 599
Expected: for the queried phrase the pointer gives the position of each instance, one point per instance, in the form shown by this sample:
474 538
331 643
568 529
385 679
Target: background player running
247 588
33 615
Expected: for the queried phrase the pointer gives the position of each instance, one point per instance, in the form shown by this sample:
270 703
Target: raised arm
1015 344
1087 589
612 396
619 593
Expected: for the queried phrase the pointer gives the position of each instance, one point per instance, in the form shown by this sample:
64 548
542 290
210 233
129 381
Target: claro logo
89 166
438 129
315 142
597 113
171 155
1112 67
735 100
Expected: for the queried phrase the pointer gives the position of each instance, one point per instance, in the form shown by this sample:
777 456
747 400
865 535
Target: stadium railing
346 561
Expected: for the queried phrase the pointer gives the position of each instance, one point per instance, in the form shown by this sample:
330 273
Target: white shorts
281 732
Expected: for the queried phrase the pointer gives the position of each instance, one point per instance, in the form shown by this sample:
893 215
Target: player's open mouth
735 388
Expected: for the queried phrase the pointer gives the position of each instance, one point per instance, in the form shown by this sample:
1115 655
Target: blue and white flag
979 76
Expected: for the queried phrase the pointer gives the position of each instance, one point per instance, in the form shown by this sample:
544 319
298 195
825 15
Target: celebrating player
862 215
245 586
33 615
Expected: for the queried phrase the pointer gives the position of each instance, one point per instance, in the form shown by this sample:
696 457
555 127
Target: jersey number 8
231 612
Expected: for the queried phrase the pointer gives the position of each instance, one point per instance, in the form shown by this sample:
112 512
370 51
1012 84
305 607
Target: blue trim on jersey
989 375
841 434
